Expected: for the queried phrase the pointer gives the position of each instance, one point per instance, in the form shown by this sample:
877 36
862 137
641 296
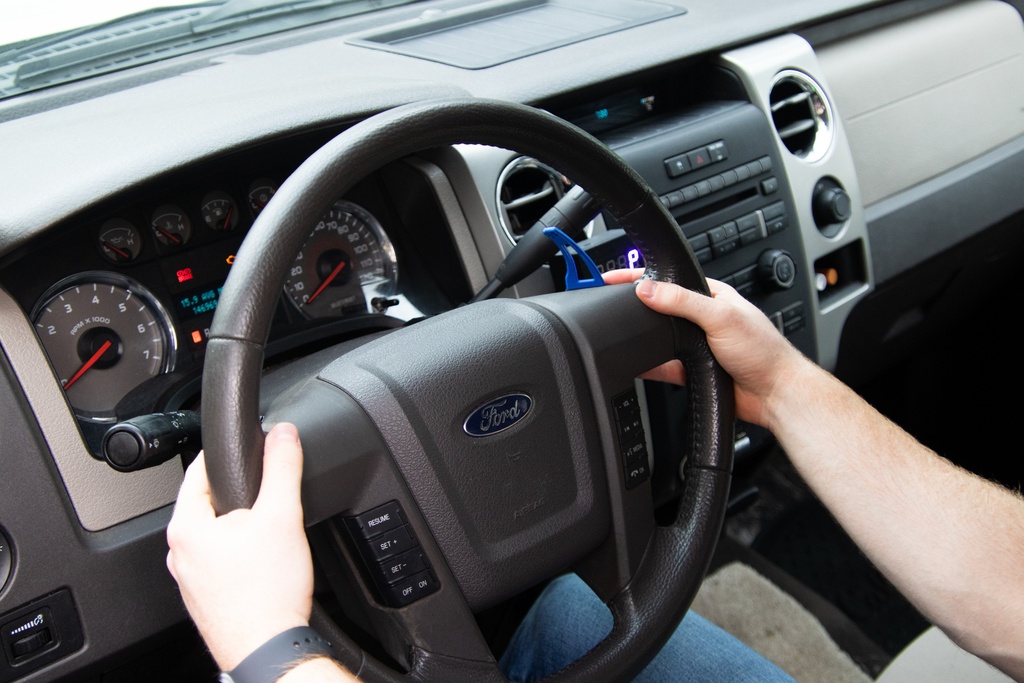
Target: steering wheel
550 481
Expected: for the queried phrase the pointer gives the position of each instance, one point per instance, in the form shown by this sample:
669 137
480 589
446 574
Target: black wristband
278 656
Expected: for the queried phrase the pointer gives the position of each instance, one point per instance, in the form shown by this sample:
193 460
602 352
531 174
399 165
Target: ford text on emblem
497 415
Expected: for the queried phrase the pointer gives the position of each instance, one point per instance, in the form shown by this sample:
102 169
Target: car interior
220 216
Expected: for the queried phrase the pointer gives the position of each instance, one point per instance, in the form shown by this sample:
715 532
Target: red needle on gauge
170 235
88 364
123 254
327 280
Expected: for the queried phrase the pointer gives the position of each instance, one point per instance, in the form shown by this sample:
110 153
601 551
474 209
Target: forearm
952 542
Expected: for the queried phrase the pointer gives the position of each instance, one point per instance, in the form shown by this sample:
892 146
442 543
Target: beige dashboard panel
922 96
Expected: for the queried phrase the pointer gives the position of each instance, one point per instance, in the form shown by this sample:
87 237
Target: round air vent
526 190
801 114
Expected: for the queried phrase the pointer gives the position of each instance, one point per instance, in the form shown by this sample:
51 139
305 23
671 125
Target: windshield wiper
160 33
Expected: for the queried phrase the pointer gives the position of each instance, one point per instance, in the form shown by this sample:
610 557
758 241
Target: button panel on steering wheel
632 439
392 557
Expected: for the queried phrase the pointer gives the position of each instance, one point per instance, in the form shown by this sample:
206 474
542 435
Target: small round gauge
347 260
260 193
219 211
104 335
171 225
120 241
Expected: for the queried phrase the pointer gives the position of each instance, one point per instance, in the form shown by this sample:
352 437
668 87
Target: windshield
49 42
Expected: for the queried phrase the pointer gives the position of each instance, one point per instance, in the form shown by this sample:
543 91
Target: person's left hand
248 575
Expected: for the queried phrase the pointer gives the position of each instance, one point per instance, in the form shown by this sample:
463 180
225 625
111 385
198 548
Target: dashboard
797 175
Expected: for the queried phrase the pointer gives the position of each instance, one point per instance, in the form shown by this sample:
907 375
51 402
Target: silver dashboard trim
101 497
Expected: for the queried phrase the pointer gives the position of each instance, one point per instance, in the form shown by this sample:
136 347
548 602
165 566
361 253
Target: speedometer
346 262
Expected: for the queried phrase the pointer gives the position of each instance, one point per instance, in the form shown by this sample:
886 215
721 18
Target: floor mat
753 609
806 542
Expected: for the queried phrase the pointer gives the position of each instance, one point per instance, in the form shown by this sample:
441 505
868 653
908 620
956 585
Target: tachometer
104 335
346 262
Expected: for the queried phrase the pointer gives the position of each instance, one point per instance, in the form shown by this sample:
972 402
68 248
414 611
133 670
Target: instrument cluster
122 301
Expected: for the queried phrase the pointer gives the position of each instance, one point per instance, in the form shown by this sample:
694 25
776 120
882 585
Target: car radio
716 170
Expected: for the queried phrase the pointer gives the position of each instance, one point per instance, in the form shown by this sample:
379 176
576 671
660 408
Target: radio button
774 210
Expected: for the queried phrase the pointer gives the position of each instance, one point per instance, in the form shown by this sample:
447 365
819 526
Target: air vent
526 190
801 114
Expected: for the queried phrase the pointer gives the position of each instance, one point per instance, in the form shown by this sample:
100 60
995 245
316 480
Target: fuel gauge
219 211
171 225
260 193
120 241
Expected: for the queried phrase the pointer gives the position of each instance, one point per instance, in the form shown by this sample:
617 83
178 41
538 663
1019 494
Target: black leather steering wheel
385 421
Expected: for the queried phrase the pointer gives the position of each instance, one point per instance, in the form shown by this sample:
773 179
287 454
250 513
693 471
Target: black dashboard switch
718 151
637 474
701 241
626 404
401 567
677 165
37 634
770 185
412 589
390 544
699 158
633 453
30 644
378 521
775 210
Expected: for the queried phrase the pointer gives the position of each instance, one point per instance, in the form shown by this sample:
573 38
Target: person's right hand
742 338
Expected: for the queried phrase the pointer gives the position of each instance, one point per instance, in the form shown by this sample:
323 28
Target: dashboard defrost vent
526 190
490 33
801 114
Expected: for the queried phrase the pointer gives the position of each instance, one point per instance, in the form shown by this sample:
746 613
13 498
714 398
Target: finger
671 299
622 276
282 467
194 495
673 372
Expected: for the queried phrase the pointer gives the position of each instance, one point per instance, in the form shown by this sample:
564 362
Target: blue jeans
568 620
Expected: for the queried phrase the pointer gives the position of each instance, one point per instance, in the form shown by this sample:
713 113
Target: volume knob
777 268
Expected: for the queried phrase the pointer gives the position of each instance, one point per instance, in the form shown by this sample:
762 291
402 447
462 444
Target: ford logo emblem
497 415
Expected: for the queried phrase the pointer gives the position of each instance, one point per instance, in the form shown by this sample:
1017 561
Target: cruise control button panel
392 557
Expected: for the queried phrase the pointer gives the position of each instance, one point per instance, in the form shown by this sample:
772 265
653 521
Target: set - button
394 559
632 439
